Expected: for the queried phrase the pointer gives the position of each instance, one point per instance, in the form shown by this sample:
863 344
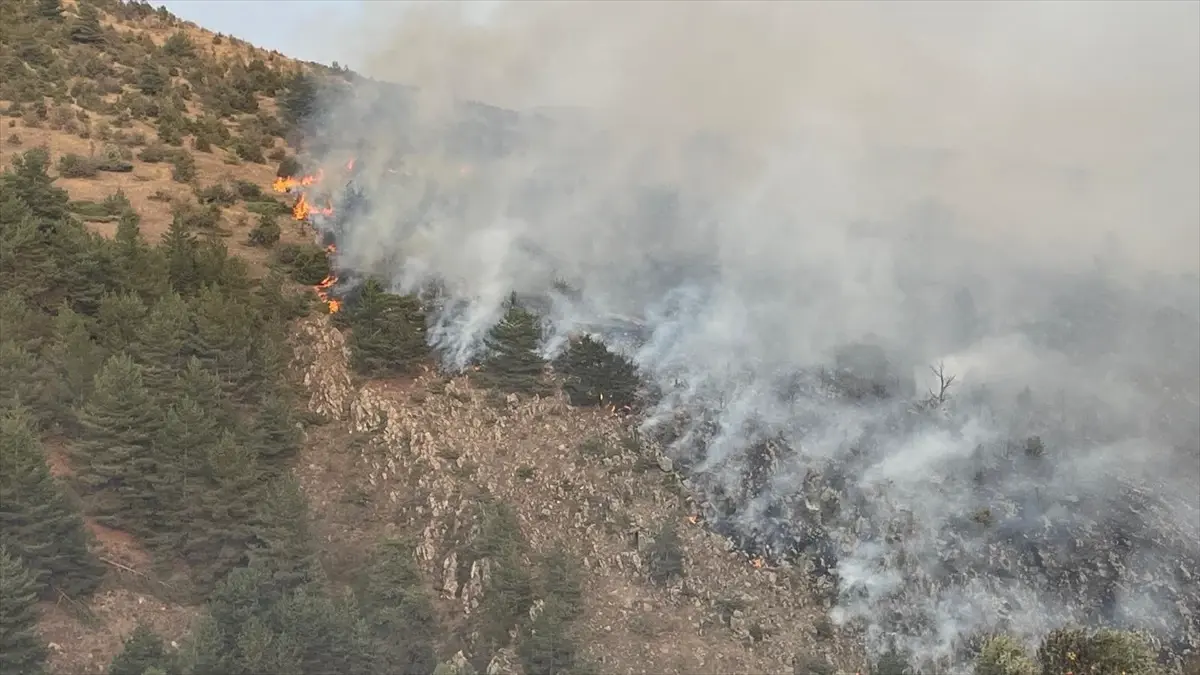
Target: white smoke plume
1009 189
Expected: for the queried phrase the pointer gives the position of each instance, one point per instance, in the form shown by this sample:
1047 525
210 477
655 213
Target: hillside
214 461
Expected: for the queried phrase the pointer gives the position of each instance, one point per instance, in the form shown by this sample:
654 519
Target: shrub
1106 652
1002 655
268 207
156 153
183 167
217 193
307 264
72 165
288 167
266 232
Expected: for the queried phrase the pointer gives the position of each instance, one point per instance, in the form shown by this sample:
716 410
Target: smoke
763 191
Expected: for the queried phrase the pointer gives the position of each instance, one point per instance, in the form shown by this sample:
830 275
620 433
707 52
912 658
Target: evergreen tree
37 524
275 433
50 9
21 649
23 381
187 432
160 347
1002 655
143 651
220 515
28 264
180 249
75 359
513 363
30 181
548 648
150 79
116 455
119 320
86 27
222 340
282 543
204 387
399 611
593 375
388 333
298 105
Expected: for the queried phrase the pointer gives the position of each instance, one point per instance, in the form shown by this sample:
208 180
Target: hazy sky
313 30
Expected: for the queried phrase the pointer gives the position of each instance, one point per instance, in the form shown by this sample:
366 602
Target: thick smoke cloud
1009 189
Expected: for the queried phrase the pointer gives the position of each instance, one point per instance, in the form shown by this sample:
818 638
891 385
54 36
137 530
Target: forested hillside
208 465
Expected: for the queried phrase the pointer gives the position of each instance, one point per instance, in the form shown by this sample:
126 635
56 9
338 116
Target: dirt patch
85 638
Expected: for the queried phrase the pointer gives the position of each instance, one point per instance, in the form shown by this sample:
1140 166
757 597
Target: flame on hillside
302 210
322 289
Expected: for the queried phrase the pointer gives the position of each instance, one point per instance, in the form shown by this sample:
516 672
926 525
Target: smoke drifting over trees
787 198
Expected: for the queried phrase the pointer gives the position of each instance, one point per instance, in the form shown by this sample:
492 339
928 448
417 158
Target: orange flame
322 289
290 183
757 563
693 519
350 165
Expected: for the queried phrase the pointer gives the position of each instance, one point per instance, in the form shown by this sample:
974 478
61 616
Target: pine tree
23 381
86 28
30 181
119 320
388 332
275 434
75 360
222 340
37 524
29 266
593 375
282 543
160 344
204 387
116 454
21 649
180 248
1002 655
220 515
50 9
143 650
187 433
399 611
513 364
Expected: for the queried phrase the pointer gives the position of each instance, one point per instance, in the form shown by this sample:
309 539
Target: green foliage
50 9
298 104
306 264
388 332
1001 655
306 630
512 364
142 651
71 165
1105 652
30 182
85 29
37 524
288 167
115 459
183 167
511 593
267 232
22 651
593 375
151 80
666 555
399 611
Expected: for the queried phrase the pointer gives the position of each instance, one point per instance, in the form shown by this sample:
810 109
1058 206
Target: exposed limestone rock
436 445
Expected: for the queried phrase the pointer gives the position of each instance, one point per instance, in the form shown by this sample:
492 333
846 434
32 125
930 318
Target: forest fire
289 183
322 289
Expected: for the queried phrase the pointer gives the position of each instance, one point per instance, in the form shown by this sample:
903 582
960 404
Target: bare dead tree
943 385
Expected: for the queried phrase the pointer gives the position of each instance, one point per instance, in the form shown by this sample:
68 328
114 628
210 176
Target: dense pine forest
151 284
